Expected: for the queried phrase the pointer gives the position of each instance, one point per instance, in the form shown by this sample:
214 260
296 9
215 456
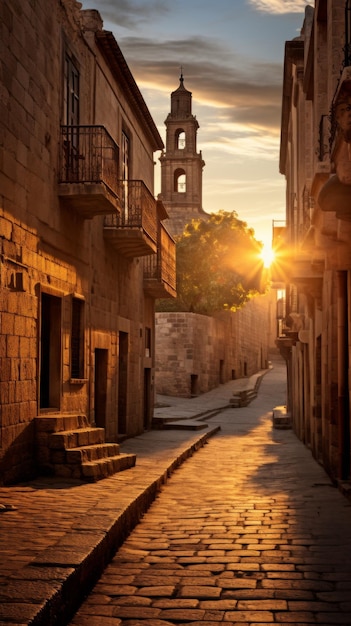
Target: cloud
280 6
129 14
229 83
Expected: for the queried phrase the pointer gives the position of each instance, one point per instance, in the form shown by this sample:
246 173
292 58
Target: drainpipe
343 404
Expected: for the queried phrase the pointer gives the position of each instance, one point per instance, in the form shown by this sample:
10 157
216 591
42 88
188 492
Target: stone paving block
176 603
18 612
100 621
156 590
223 605
97 610
134 612
182 615
265 617
198 591
205 538
116 590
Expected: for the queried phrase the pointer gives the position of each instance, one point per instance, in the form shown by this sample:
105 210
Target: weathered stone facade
196 353
78 272
181 164
316 253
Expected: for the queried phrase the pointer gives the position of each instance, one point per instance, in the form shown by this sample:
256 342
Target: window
71 119
125 173
77 338
180 139
179 181
71 93
147 342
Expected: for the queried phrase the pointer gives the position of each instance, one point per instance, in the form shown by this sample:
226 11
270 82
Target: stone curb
49 590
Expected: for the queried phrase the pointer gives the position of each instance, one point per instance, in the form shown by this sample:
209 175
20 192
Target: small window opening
181 140
179 181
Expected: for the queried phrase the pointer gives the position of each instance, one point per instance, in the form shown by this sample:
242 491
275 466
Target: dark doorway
193 384
100 387
50 352
147 398
221 371
122 382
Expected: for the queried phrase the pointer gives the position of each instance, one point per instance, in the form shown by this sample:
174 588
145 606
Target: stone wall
52 259
196 353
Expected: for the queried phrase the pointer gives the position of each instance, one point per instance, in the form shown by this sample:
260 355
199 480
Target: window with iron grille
77 338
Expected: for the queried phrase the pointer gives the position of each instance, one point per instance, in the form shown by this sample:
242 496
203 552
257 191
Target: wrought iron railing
88 154
162 266
138 209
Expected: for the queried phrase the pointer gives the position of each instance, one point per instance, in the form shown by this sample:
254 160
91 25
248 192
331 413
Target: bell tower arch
181 164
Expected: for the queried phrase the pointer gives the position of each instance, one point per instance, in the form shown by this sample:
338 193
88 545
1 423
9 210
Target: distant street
248 531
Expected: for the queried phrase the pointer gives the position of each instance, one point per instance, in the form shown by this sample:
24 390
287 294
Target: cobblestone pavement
57 535
249 531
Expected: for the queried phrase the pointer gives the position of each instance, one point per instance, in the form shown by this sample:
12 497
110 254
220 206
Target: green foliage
218 266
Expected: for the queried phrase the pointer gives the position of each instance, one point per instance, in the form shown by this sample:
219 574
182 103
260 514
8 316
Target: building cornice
113 55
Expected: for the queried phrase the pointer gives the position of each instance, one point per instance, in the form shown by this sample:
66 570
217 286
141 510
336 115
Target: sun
267 256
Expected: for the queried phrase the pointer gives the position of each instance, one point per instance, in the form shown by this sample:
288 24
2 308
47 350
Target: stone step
91 453
243 398
281 418
65 440
59 422
67 446
186 424
97 470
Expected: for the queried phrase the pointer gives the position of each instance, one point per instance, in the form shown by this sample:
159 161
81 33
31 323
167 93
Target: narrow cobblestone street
248 531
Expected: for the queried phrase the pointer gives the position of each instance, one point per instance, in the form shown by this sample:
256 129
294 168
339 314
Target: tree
218 266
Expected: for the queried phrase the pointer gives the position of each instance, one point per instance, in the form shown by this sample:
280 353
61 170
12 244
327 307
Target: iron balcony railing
162 266
88 154
138 209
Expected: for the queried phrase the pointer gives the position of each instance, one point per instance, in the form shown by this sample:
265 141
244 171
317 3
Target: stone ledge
281 418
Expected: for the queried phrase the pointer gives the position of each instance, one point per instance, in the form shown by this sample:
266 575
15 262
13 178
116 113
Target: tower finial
181 75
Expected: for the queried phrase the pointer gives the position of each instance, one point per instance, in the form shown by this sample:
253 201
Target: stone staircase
243 397
195 422
67 446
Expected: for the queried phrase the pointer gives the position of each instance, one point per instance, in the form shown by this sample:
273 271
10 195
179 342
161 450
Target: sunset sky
232 54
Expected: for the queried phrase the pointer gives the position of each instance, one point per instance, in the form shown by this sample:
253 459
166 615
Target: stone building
83 249
181 164
195 353
315 252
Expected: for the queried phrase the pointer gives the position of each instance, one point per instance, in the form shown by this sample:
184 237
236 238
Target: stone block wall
51 255
196 353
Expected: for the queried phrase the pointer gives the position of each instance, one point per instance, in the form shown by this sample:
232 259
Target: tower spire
181 164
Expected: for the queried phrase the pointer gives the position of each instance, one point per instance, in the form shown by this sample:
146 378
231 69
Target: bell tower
181 165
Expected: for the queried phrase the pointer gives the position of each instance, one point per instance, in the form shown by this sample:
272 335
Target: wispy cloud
280 6
233 66
130 14
222 83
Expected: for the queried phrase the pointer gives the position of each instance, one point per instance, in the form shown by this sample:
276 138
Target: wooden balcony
88 171
133 233
160 269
